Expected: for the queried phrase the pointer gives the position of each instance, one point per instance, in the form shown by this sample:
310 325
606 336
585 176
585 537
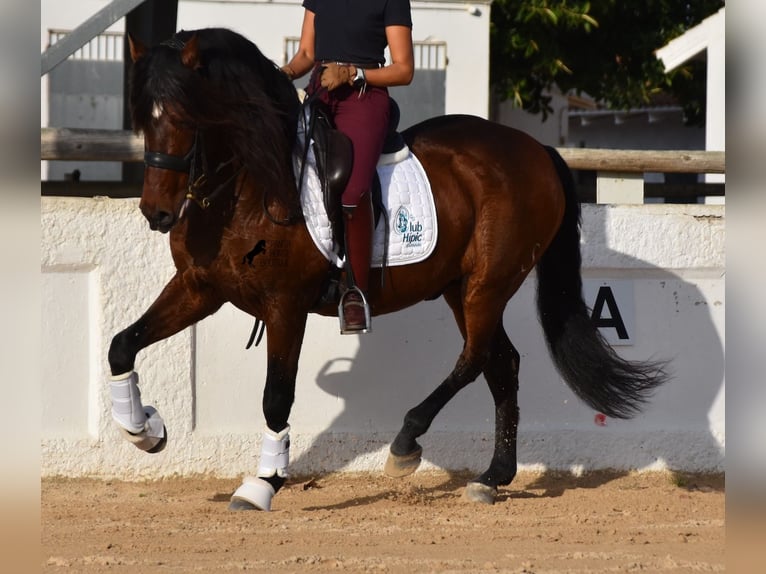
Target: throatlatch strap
275 453
127 409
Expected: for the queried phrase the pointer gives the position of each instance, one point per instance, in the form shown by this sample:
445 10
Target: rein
308 127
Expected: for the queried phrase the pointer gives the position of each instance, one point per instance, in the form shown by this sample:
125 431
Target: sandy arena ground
542 523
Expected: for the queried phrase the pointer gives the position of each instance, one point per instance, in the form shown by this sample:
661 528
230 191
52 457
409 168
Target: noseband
188 164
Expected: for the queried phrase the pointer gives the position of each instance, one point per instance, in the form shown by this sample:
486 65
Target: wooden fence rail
120 145
80 144
619 172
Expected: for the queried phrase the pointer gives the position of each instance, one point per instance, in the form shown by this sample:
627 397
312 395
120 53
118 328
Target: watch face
359 78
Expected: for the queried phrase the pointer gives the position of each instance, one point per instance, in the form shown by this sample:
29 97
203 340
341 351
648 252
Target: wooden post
616 187
152 22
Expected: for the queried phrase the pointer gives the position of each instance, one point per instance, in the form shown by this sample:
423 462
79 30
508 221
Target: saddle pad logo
402 218
409 228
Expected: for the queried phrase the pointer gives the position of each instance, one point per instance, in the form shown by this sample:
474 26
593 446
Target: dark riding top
355 30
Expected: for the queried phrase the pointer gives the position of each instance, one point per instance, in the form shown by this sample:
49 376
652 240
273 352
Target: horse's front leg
284 339
183 302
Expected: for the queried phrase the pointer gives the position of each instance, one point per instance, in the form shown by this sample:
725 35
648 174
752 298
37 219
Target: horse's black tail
601 378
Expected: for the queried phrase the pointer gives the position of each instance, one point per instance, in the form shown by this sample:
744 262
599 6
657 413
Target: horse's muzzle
162 221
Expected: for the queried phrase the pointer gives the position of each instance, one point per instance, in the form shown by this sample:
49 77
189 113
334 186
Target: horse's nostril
160 220
163 221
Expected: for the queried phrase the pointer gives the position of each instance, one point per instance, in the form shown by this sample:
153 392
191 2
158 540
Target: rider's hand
335 75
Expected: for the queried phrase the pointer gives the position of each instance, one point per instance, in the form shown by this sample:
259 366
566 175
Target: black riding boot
359 229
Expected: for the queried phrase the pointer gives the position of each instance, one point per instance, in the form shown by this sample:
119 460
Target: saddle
334 155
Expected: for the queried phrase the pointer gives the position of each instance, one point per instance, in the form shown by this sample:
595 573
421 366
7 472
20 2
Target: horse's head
209 98
170 138
170 158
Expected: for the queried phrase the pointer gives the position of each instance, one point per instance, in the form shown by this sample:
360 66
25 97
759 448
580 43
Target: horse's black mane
235 91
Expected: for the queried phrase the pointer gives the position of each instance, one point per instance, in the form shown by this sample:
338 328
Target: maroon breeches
363 117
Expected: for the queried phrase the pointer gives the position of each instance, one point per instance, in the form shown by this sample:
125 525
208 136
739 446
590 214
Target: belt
363 66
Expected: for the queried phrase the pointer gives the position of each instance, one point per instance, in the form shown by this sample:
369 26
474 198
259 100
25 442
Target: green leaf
589 20
551 15
604 49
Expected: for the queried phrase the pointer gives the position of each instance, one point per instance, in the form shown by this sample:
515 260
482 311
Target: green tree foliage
605 49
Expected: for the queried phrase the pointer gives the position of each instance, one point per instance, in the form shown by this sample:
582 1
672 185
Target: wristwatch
359 79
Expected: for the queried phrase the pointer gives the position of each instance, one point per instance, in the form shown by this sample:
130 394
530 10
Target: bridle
188 164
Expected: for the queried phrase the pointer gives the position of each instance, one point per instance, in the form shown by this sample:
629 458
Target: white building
451 57
708 38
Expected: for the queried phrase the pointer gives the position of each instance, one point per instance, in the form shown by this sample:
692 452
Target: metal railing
107 46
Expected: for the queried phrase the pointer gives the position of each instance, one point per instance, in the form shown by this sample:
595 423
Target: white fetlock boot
140 425
255 493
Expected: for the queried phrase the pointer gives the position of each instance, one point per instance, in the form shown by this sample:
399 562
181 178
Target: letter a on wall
612 308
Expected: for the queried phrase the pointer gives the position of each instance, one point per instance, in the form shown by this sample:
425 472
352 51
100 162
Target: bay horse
219 124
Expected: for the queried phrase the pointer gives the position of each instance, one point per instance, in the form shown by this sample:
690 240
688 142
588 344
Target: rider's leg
363 117
359 229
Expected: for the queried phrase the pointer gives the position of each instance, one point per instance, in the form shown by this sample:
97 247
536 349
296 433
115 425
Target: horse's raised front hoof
253 494
160 446
154 436
399 466
481 493
145 442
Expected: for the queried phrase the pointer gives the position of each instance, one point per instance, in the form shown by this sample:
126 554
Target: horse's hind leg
405 452
488 349
502 375
404 456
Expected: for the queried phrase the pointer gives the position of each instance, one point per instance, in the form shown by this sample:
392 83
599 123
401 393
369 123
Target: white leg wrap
127 410
275 453
142 426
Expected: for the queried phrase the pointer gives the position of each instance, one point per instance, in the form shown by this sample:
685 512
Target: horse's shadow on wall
420 346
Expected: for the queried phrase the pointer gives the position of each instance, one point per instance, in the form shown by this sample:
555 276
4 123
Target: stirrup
349 329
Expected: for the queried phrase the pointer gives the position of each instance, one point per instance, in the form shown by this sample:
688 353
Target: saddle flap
334 155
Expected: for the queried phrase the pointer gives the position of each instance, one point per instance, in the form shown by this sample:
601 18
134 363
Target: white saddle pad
409 207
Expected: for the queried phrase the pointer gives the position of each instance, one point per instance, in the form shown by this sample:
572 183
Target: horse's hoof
481 493
253 494
160 446
399 466
241 504
147 440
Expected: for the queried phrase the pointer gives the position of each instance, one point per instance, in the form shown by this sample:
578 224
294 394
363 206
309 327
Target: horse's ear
137 49
190 53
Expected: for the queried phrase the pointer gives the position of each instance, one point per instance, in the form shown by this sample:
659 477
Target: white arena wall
101 267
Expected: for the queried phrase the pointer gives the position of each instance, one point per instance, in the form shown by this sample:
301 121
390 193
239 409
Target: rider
343 44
